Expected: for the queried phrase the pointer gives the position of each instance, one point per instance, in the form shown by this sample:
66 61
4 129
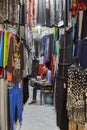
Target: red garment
1 72
81 5
10 66
41 71
78 6
52 62
52 66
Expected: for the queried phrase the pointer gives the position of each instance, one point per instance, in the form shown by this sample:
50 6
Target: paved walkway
38 117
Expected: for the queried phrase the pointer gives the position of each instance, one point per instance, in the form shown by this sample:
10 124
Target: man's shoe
32 102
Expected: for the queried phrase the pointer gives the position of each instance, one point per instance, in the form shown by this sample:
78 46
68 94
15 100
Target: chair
46 89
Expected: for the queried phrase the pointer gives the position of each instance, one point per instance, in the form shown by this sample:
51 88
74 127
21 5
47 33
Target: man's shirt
48 76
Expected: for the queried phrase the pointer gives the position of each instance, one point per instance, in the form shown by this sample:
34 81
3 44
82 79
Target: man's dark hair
47 65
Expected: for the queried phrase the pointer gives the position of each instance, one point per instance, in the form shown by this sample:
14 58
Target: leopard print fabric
76 92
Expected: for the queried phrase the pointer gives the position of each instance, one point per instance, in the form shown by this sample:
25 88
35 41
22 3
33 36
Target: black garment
84 25
76 29
25 89
61 96
65 55
36 43
35 64
52 44
82 51
22 15
66 39
63 70
48 13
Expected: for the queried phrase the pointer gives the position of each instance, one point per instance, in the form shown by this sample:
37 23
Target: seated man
42 83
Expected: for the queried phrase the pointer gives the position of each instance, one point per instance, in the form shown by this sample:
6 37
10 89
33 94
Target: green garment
57 47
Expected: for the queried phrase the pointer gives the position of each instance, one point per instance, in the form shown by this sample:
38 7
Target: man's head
45 68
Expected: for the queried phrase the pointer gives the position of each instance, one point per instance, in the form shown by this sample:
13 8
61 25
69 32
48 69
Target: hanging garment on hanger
59 11
13 11
41 13
37 47
5 56
15 101
18 62
3 10
52 45
80 24
65 53
28 37
61 111
81 52
31 12
35 13
27 13
76 91
35 64
1 47
11 49
45 47
3 105
22 15
48 13
84 27
52 12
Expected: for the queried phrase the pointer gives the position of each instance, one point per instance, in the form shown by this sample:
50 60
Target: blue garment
48 76
15 99
1 48
73 27
82 52
5 73
45 47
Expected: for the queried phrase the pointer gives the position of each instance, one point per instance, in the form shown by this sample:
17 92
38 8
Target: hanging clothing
76 94
37 47
35 64
18 62
3 105
82 49
3 10
60 100
84 27
28 37
5 56
45 46
25 89
15 100
41 12
31 13
22 14
26 63
11 50
48 13
52 12
1 47
13 11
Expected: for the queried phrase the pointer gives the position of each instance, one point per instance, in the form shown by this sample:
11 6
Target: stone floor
38 117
